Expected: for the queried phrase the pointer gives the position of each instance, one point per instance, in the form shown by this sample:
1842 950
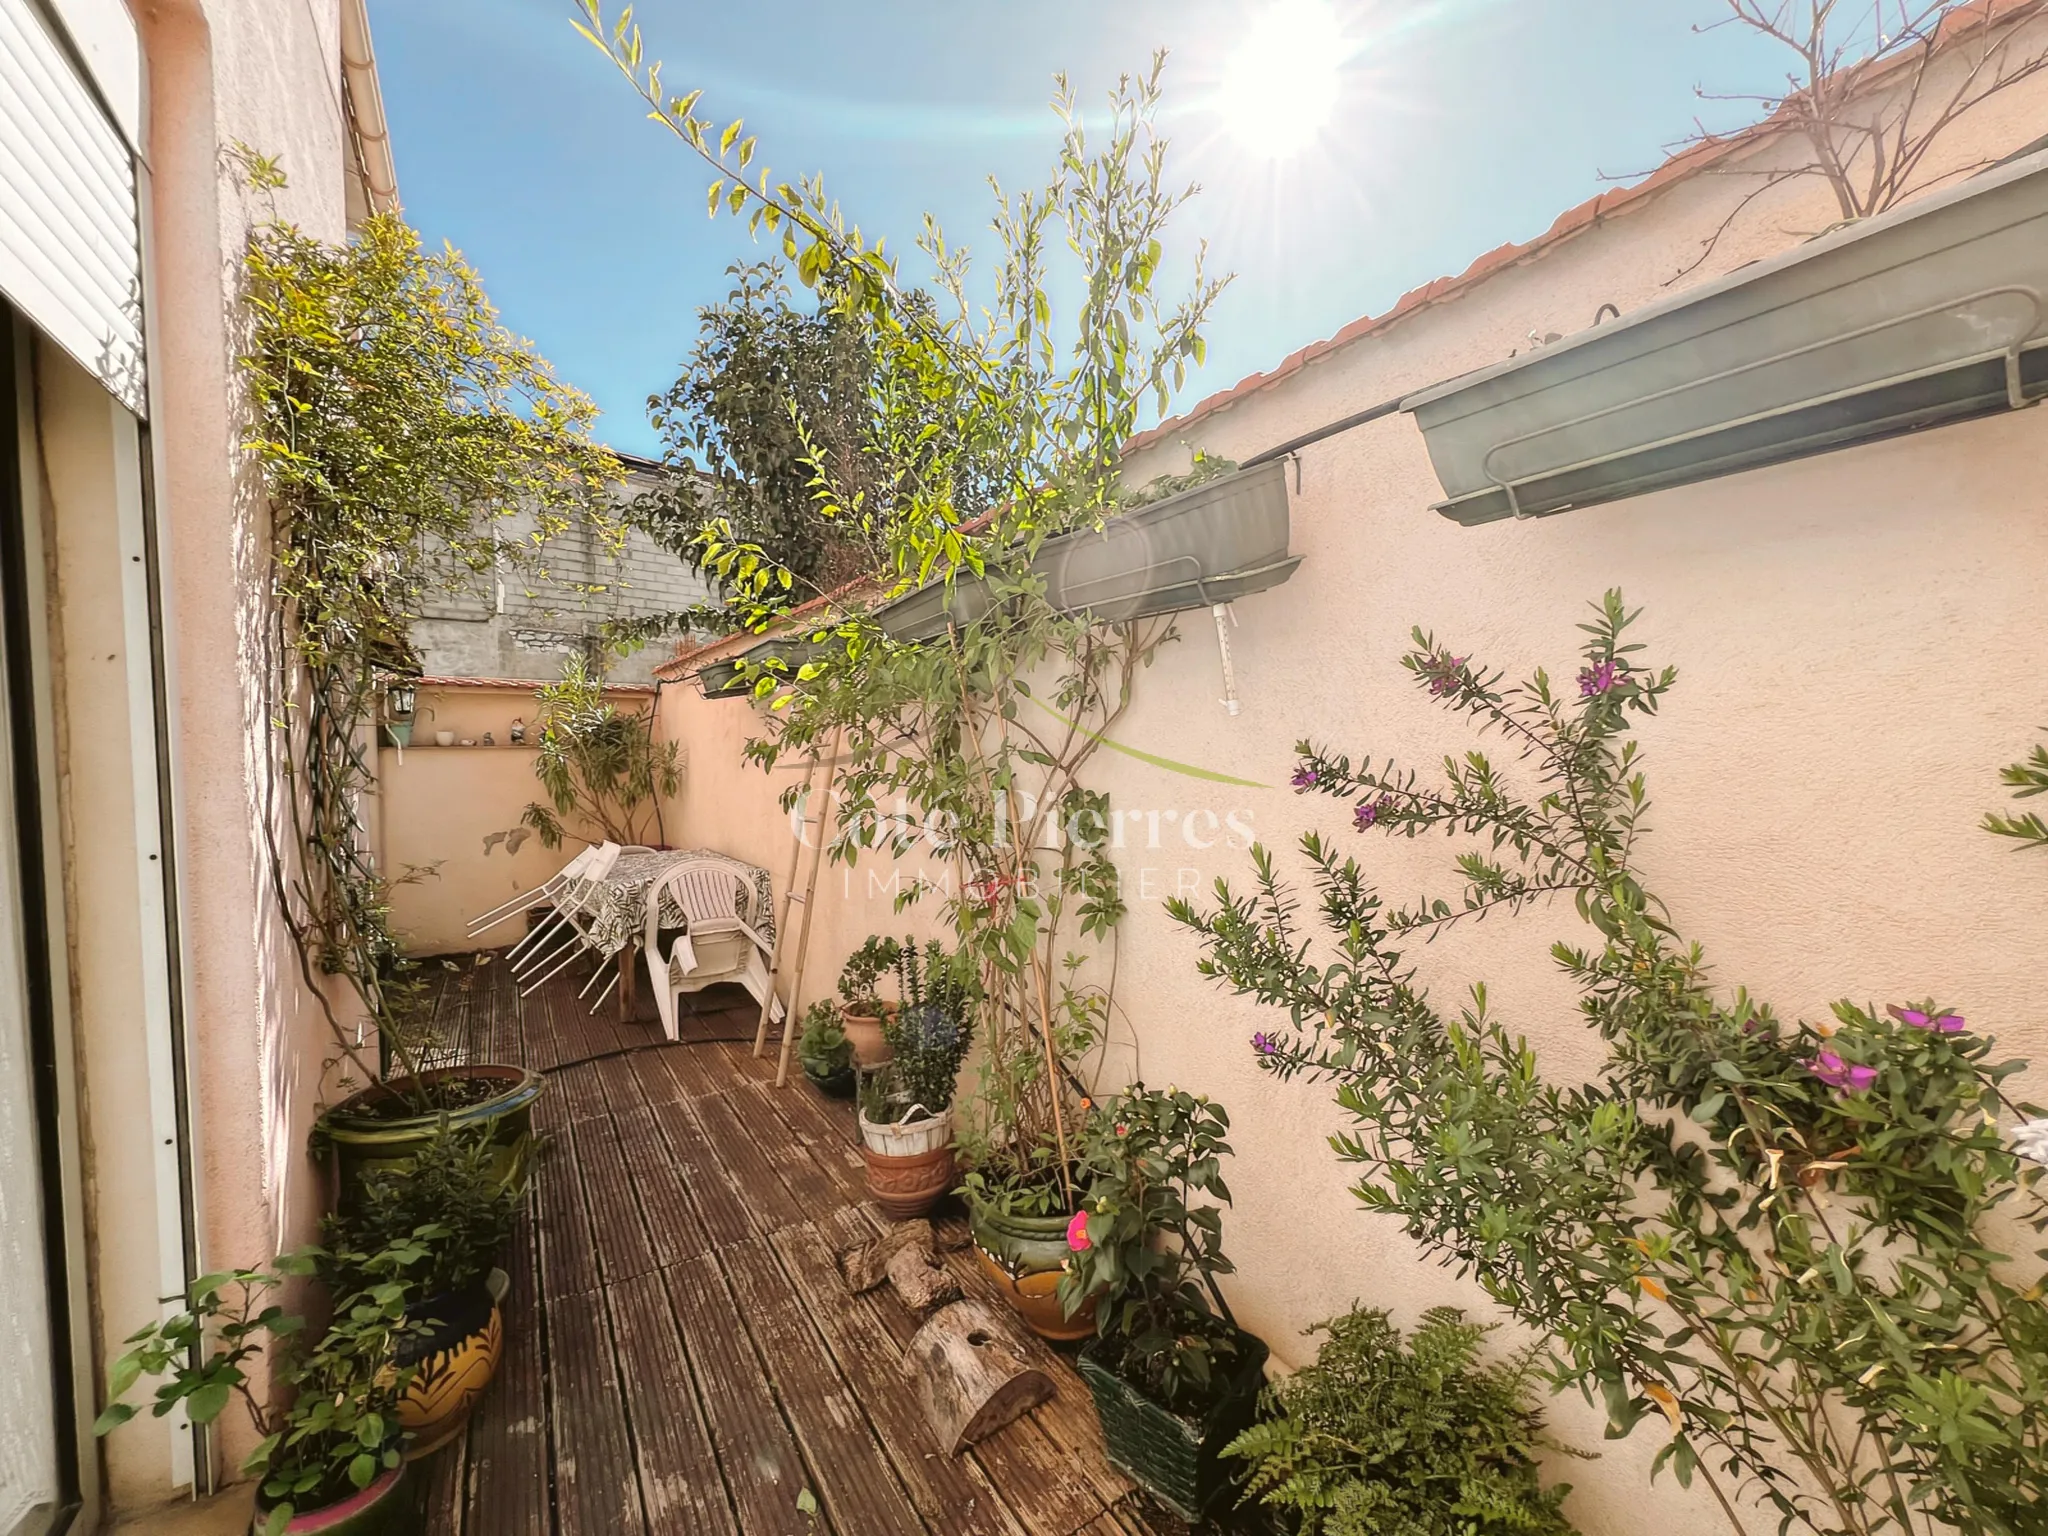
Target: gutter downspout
363 100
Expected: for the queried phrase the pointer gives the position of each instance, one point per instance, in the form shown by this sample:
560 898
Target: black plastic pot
833 1082
1175 1457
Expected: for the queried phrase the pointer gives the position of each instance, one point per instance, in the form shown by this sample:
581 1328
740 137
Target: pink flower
1917 1018
1842 1076
1077 1232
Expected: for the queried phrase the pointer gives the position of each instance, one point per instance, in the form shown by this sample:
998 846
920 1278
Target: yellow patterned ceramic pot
453 1361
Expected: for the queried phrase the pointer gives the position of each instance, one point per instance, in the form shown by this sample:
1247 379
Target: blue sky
1460 124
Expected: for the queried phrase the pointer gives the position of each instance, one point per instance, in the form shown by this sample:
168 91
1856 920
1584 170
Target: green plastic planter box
1176 1458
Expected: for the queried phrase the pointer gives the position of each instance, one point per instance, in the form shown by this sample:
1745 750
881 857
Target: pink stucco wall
1858 642
223 72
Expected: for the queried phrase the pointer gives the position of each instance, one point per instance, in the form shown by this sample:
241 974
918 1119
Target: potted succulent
451 1204
1175 1380
906 1113
826 1053
861 1012
331 1460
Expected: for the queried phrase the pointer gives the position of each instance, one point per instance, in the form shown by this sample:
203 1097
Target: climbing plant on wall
993 420
1787 1243
397 425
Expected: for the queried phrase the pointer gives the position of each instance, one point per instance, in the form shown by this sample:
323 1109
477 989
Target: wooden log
919 1280
971 1374
867 1266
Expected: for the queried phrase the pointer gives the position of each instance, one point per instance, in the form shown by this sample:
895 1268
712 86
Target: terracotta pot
454 1361
1035 1298
864 1034
385 1508
908 1186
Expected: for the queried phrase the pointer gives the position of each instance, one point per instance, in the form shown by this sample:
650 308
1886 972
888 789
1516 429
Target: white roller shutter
70 252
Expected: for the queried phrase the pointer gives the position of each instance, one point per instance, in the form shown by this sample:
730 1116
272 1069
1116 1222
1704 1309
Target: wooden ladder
791 897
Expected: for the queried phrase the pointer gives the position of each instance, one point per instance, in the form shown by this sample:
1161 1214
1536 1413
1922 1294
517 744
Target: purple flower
1445 673
1594 681
1264 1043
1370 811
1304 780
1919 1018
1842 1076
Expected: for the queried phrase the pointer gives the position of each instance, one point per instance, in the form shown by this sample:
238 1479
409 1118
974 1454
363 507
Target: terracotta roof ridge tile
1679 165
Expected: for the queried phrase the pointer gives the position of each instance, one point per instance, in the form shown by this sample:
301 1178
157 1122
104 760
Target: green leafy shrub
823 1044
340 1429
398 428
1386 1437
863 968
1149 1249
450 1202
1786 1244
599 762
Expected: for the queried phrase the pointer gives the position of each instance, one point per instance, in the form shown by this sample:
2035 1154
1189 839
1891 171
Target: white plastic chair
718 944
569 922
546 891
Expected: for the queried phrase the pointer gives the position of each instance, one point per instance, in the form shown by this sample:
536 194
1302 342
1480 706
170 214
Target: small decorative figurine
490 740
518 736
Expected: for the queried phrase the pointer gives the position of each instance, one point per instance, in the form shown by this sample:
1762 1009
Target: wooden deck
680 1353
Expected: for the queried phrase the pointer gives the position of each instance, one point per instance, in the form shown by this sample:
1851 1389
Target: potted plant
1175 1380
386 1126
452 1204
861 1011
906 1114
330 1459
826 1053
1417 1436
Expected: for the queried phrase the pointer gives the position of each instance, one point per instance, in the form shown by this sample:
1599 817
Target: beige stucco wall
221 73
1858 638
435 806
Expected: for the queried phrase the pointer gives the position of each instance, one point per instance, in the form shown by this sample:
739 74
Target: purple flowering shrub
1767 1236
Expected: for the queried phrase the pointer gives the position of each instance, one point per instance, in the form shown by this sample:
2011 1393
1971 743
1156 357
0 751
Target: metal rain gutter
1933 313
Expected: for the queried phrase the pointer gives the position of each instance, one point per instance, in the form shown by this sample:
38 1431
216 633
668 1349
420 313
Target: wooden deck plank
698 1072
856 1484
680 1485
674 1228
745 1163
508 1437
764 1472
597 1490
953 1494
809 1182
720 1210
808 1125
680 1353
446 1475
623 1247
567 1247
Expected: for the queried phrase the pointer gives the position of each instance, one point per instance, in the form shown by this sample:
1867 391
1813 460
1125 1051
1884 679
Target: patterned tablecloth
621 899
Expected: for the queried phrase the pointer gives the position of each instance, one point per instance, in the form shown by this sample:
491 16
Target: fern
1382 1437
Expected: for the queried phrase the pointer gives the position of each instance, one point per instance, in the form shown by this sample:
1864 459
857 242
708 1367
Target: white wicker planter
912 1139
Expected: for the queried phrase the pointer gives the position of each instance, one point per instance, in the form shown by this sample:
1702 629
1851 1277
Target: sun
1280 85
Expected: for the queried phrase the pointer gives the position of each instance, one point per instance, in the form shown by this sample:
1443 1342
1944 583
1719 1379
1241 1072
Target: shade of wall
1859 645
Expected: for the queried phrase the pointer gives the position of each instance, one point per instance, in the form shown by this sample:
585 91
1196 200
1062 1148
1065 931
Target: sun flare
1280 85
